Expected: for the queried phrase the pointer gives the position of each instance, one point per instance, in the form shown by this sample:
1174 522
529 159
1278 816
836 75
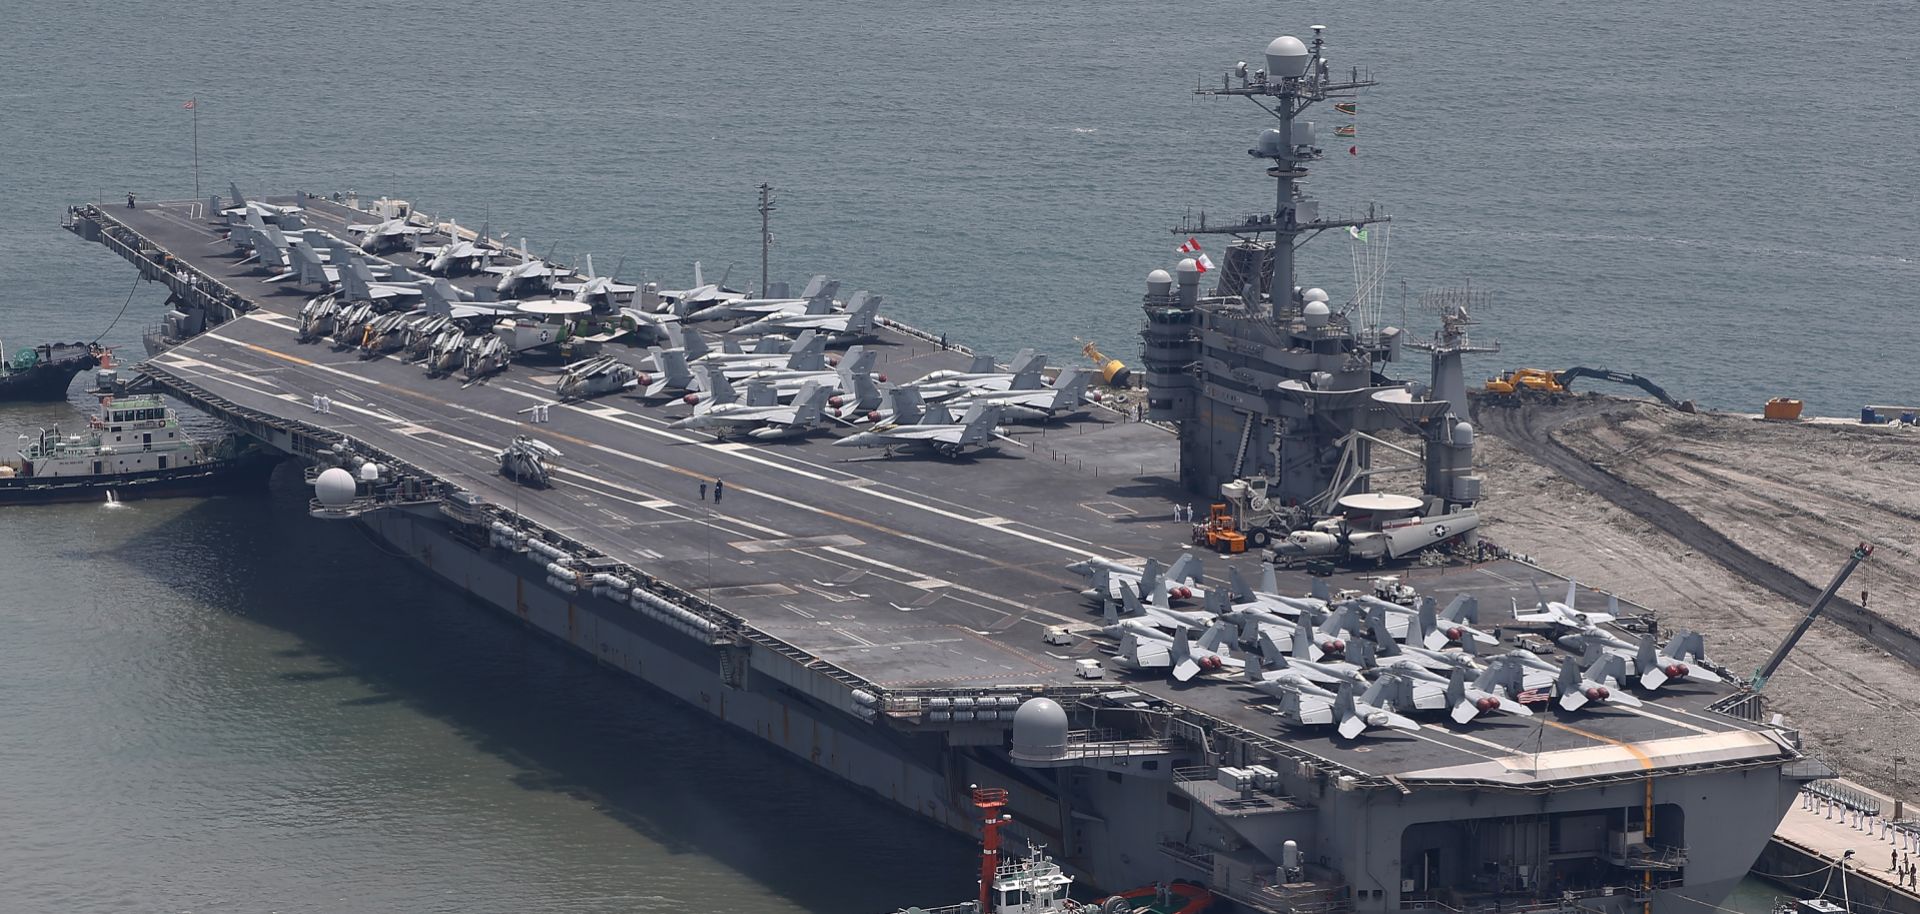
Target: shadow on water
673 775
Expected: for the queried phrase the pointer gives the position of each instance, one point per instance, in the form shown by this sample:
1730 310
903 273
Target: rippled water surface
222 705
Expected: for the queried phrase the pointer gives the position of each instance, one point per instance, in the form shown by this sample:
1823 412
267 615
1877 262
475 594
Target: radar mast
1297 76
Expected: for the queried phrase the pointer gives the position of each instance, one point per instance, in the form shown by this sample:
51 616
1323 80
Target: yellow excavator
1545 384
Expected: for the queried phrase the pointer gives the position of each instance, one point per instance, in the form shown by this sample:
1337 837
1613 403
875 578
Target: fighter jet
1322 670
1415 651
1187 659
1574 688
856 322
1060 397
1653 667
1155 612
596 377
270 212
1023 374
1349 716
762 415
526 461
604 293
1564 614
1180 582
458 256
1421 689
1422 625
974 430
1267 600
445 298
387 235
702 295
671 376
816 299
807 352
529 274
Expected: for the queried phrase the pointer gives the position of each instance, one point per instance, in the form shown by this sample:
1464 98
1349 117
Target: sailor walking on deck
703 490
719 489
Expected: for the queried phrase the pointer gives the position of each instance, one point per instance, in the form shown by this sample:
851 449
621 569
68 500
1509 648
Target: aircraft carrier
897 621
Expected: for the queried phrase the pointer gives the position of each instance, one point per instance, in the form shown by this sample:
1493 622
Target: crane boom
1766 670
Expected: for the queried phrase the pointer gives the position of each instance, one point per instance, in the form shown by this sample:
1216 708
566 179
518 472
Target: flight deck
907 572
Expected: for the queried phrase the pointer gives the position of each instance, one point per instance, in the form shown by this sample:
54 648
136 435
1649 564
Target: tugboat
133 448
43 372
1037 885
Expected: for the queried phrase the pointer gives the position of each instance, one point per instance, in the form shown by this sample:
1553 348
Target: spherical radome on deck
1316 314
1040 730
1315 294
1287 56
334 487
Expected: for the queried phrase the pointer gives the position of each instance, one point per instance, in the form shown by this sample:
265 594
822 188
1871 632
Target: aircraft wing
1428 696
1311 709
938 434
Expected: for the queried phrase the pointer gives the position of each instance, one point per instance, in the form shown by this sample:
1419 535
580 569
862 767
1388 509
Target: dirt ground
1798 496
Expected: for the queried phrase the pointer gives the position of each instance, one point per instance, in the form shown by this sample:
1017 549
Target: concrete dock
1848 844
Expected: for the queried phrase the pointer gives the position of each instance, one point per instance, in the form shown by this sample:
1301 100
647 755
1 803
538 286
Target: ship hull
909 771
218 477
1109 834
43 382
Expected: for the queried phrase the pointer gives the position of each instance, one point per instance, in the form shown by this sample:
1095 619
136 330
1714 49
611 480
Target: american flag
189 104
1532 696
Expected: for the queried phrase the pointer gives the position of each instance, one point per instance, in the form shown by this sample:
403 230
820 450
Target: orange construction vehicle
1220 532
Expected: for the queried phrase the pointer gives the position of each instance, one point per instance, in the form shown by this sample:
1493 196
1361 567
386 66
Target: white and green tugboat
132 448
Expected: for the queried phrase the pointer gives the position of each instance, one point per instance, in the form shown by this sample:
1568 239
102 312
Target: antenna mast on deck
766 232
1296 77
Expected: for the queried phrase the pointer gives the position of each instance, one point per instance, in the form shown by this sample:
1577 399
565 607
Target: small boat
45 371
1038 885
133 448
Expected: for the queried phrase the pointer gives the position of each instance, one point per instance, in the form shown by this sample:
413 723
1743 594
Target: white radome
334 487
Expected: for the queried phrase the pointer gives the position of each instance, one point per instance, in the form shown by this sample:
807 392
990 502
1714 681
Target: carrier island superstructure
898 622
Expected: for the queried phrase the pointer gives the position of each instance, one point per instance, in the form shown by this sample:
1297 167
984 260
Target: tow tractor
1221 531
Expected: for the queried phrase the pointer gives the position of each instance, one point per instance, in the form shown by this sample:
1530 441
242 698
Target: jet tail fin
1271 652
1188 567
862 311
689 341
807 404
979 424
1238 585
1026 367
